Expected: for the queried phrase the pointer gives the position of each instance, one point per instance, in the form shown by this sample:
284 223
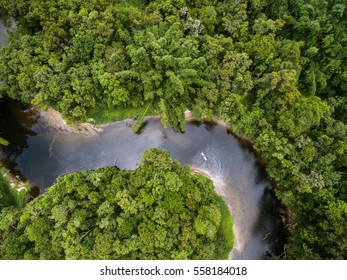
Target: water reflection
16 121
236 172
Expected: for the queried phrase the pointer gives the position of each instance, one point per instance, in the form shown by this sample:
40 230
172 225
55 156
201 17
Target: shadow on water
41 153
196 123
270 209
270 205
208 125
16 122
34 192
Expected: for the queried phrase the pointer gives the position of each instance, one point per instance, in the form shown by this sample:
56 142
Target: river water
40 151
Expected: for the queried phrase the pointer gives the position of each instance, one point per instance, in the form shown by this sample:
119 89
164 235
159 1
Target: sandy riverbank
54 119
202 172
15 181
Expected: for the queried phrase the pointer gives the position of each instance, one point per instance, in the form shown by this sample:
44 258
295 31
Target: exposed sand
188 115
55 120
15 181
202 172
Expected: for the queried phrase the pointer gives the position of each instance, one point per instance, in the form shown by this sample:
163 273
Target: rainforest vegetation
275 71
158 211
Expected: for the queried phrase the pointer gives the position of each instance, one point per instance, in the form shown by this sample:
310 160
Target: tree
165 70
274 70
131 219
3 142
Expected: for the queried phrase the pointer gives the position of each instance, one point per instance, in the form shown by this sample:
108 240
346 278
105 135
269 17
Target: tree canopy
276 71
158 211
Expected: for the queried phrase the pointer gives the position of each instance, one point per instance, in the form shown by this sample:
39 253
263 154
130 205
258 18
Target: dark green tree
158 211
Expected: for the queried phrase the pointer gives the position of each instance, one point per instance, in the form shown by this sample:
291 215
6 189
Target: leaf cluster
274 70
158 211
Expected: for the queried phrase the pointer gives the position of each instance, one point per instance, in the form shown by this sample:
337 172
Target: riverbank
13 190
201 172
100 115
226 219
54 119
50 152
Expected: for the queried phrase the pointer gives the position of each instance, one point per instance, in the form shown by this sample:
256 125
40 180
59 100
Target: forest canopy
276 71
158 211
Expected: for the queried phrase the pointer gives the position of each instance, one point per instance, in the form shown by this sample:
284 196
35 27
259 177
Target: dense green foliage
11 201
276 71
158 211
3 142
6 196
10 197
104 115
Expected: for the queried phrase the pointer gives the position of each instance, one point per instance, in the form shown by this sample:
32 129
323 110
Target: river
40 151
